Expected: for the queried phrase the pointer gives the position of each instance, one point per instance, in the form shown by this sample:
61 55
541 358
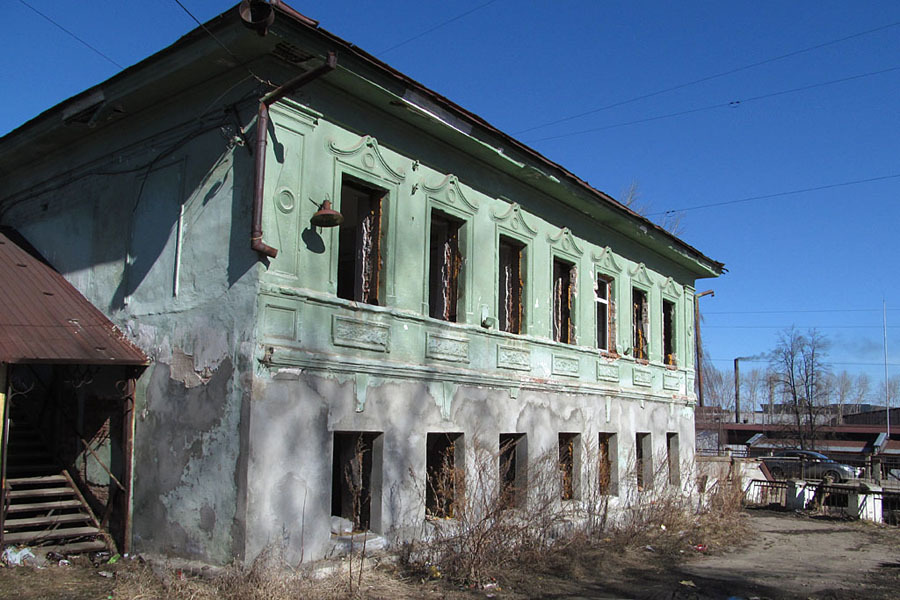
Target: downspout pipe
262 135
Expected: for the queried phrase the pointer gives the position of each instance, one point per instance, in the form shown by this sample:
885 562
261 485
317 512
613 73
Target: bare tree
671 220
753 388
842 390
893 390
718 386
861 391
798 363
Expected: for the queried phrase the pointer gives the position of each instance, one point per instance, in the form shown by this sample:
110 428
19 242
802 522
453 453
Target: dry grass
268 578
487 539
539 546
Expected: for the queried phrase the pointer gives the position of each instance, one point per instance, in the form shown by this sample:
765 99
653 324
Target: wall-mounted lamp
326 216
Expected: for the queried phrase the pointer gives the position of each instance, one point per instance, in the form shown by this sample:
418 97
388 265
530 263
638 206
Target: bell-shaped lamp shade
326 216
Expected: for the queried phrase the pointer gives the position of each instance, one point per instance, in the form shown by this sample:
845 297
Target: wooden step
75 548
39 506
30 537
38 468
46 520
40 479
40 493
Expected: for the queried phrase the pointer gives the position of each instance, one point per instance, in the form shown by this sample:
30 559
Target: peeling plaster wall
150 220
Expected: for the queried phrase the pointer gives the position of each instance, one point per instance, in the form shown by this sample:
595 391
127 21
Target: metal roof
44 319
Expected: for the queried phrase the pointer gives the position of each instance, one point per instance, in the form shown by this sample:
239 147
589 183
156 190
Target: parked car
807 464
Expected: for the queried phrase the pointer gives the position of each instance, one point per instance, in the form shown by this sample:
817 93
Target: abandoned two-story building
324 259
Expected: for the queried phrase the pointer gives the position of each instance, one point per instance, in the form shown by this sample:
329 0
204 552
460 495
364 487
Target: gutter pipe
262 134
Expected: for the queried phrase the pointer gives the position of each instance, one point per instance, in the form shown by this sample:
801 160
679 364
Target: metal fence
762 492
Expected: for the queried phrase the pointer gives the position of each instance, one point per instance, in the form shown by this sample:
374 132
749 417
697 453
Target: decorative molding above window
668 286
640 275
565 242
449 192
606 261
514 219
367 156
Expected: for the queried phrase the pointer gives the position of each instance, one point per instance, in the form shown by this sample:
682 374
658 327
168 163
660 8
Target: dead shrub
665 516
496 518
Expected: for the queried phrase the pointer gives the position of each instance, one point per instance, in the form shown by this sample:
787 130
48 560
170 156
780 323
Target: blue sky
823 258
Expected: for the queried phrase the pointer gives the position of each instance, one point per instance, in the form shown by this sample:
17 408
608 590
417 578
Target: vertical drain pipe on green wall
262 133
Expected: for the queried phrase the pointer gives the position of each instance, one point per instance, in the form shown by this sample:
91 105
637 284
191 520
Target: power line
798 327
778 312
776 195
707 78
830 362
84 43
731 103
224 47
438 26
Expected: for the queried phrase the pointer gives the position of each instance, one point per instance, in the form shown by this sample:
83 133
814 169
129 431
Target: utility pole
698 347
887 393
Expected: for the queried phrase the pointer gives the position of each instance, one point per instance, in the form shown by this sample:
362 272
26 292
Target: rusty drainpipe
262 133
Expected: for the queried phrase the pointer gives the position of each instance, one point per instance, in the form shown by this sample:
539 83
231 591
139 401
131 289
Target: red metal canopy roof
44 319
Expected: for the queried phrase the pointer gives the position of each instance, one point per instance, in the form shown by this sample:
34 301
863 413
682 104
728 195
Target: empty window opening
673 458
356 479
513 458
605 314
569 464
643 463
445 262
512 257
564 276
444 473
668 332
639 321
359 243
608 458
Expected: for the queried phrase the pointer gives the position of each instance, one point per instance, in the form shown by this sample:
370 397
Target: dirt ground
786 556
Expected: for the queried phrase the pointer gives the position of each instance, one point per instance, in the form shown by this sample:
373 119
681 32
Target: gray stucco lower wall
189 476
295 413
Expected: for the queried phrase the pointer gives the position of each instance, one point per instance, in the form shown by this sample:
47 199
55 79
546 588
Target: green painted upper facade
306 320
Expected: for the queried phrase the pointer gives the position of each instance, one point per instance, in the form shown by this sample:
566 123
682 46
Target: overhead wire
83 42
708 78
830 362
791 311
731 103
799 326
775 194
436 27
219 42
